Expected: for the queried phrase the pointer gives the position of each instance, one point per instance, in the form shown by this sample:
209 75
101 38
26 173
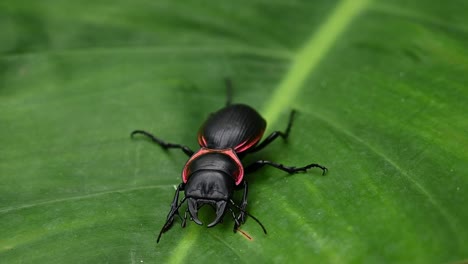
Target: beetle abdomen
236 126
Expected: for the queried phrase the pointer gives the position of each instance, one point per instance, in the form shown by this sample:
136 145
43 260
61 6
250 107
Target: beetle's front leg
173 212
175 204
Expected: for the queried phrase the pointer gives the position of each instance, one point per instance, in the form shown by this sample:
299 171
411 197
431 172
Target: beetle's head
209 187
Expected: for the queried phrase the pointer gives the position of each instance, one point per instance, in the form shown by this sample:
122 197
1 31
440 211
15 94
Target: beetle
215 171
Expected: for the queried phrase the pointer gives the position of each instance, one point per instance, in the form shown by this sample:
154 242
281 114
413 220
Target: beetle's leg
236 220
174 208
175 205
253 217
275 135
243 206
228 83
163 144
291 170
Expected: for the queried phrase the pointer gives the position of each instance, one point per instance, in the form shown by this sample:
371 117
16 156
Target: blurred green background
380 90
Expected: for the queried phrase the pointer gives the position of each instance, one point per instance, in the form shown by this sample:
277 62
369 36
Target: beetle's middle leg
163 144
275 135
289 169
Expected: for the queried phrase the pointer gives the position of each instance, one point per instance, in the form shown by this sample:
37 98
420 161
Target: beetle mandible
215 171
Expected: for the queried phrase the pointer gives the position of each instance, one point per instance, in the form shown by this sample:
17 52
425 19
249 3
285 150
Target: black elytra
215 171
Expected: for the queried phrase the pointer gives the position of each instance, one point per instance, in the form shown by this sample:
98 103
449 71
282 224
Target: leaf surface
380 90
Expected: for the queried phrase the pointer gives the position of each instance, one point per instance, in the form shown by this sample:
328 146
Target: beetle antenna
247 213
170 219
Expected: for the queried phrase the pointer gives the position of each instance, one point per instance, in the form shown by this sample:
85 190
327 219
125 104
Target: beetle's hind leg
275 135
163 144
228 83
289 169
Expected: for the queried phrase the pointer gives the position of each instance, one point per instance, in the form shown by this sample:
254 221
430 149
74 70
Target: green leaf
380 90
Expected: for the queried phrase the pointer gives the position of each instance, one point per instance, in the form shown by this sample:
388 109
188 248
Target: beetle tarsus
289 169
315 165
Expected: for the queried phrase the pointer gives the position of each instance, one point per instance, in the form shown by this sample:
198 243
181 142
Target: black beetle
214 172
